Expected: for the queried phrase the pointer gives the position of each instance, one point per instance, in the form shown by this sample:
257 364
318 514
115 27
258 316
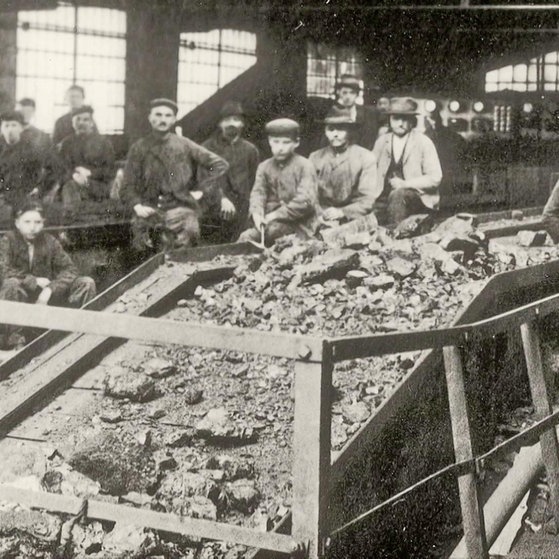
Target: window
326 64
208 61
82 45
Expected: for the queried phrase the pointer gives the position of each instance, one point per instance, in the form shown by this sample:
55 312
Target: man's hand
332 214
397 182
42 282
44 296
196 194
34 193
228 210
144 211
79 179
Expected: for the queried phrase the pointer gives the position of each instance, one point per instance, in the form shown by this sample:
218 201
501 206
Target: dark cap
339 115
27 102
231 108
10 116
163 102
29 206
81 110
283 127
402 106
348 80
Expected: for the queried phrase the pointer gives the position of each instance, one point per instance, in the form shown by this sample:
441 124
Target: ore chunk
137 387
334 263
531 238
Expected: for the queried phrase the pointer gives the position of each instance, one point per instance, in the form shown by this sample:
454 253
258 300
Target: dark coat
37 138
50 261
168 166
63 127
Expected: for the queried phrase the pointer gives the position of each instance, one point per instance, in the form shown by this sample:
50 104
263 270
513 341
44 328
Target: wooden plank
503 544
470 502
104 299
162 331
311 452
98 510
199 254
542 406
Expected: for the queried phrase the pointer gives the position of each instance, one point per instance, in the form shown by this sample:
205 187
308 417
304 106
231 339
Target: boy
346 172
284 196
36 269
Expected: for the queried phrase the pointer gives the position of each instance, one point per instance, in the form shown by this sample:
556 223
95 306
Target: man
37 138
232 191
408 168
20 162
161 183
283 200
347 90
88 162
75 99
346 172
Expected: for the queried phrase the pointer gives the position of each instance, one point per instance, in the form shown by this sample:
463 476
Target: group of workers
171 183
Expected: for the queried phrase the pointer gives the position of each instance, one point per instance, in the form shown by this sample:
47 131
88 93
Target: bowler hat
339 115
164 102
402 106
11 116
81 110
348 80
231 108
283 127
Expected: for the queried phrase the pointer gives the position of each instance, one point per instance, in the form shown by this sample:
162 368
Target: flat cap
81 110
282 127
231 108
404 106
164 102
339 115
10 116
349 80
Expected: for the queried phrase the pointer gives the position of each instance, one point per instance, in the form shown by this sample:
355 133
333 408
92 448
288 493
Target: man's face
83 123
338 136
282 147
30 224
28 113
400 124
347 96
383 104
11 130
231 127
74 98
162 119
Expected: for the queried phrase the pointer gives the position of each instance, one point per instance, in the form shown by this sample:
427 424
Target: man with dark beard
231 192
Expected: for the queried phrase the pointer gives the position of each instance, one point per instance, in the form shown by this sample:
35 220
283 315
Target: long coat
421 166
168 165
346 180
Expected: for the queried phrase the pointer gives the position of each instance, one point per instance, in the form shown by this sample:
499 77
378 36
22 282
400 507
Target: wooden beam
542 406
162 331
470 502
165 522
311 452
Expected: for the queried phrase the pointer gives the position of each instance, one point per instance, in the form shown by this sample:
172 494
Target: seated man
161 185
550 217
284 196
346 172
87 160
20 162
75 99
408 167
31 134
36 269
233 189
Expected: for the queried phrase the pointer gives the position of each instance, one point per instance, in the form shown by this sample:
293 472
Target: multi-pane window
325 64
210 60
81 45
537 74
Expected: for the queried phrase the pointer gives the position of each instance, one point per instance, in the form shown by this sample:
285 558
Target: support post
311 452
472 509
542 405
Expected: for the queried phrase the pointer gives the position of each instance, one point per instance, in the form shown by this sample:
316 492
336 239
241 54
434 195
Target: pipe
508 495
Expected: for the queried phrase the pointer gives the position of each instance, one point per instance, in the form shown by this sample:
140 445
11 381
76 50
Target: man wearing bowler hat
231 192
408 167
346 172
161 184
347 91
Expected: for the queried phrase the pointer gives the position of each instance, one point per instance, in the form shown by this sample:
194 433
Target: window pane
550 73
520 73
505 74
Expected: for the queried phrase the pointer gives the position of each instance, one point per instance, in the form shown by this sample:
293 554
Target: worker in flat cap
283 200
347 91
164 185
231 193
87 161
21 163
408 167
346 172
74 98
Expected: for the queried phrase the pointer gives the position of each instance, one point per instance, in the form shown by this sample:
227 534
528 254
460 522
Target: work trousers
80 292
73 193
400 203
166 229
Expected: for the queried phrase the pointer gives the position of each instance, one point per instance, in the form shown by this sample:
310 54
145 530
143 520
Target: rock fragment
217 426
333 263
125 538
88 538
400 267
137 387
234 468
158 367
192 395
40 525
531 238
242 495
414 225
